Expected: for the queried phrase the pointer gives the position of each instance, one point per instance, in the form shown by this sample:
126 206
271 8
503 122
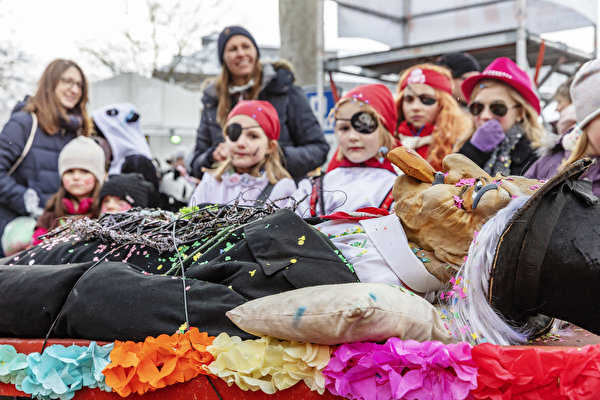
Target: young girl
253 169
506 111
430 118
585 135
81 167
364 120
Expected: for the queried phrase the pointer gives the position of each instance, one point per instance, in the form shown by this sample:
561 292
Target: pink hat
505 70
380 98
263 112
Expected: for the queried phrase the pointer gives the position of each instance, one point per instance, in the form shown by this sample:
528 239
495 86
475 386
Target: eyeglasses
70 82
362 122
234 131
498 108
132 116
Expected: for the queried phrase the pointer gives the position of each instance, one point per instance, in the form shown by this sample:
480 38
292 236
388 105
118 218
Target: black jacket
522 156
301 139
39 169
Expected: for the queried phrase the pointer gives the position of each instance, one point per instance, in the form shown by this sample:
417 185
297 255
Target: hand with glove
488 136
32 201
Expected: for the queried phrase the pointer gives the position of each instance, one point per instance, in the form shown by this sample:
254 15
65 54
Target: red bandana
371 163
427 77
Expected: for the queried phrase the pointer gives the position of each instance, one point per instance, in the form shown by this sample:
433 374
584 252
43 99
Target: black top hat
547 262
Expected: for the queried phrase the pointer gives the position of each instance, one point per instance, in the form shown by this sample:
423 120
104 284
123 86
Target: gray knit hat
584 93
82 152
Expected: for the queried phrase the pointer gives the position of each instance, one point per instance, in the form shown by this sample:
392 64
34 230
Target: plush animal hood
442 211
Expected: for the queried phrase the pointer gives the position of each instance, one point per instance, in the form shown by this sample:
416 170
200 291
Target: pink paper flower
402 370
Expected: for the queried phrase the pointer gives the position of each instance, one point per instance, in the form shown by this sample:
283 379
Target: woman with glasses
244 77
32 139
430 119
505 109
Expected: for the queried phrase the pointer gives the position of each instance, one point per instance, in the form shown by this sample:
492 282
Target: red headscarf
263 112
427 77
380 98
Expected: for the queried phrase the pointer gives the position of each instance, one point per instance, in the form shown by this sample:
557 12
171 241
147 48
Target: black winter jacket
521 157
301 139
39 169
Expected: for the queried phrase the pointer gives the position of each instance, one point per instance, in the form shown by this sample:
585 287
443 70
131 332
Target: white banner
438 20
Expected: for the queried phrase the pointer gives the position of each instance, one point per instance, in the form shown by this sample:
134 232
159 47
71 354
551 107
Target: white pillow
350 312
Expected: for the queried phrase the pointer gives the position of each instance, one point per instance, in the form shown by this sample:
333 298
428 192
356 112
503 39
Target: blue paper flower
59 371
13 365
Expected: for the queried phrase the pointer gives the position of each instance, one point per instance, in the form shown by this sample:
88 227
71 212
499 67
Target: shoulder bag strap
27 145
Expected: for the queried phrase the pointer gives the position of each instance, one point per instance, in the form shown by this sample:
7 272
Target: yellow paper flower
268 364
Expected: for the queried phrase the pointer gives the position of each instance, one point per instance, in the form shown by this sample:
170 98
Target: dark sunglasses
498 108
131 117
234 131
425 100
362 122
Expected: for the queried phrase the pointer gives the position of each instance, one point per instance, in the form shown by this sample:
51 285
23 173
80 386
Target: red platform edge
197 388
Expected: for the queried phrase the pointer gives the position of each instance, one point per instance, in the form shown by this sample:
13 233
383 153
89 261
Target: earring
381 153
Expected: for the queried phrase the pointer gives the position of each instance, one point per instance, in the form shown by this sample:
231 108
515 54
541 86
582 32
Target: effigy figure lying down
536 257
142 273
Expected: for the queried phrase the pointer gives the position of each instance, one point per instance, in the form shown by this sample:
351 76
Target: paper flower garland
157 362
268 364
401 370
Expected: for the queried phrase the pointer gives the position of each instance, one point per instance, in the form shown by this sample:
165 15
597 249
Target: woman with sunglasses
252 173
51 118
244 77
364 119
585 136
430 118
505 109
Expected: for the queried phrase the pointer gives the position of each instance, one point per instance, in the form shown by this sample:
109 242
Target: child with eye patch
364 120
431 121
252 172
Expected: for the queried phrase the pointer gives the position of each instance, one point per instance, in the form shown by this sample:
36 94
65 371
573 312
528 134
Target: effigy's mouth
484 189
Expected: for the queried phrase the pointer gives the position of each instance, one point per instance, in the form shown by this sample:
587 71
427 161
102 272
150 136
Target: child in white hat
81 168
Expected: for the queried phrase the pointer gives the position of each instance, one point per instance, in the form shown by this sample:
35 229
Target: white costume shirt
347 189
379 251
246 187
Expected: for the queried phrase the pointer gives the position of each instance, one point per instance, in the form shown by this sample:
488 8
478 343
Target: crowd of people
259 142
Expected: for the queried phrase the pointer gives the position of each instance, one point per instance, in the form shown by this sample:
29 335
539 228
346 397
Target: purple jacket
547 166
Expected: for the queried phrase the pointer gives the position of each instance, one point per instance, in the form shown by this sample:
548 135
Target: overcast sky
47 29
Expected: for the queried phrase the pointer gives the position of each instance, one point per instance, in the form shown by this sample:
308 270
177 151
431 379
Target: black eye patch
363 122
234 131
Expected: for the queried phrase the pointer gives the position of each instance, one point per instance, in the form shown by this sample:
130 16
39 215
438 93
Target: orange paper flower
157 362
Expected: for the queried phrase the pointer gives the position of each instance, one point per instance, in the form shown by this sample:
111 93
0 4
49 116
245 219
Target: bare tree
12 80
172 32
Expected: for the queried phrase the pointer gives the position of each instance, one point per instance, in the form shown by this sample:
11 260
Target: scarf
418 140
84 206
240 90
371 162
72 123
500 159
